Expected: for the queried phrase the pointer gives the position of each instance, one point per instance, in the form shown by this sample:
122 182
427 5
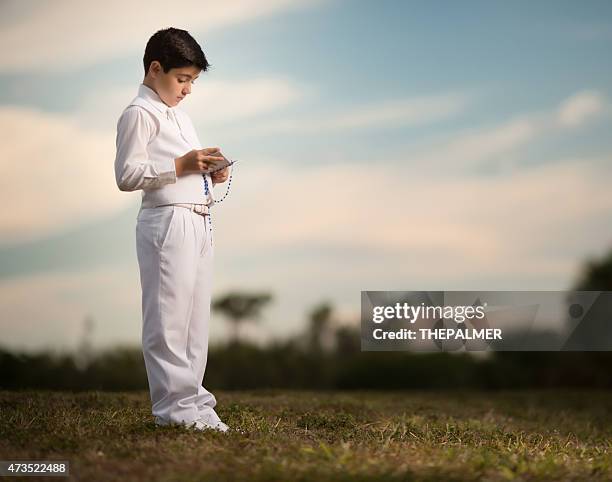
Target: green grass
294 436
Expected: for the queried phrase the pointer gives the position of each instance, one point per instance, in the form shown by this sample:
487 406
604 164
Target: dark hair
174 48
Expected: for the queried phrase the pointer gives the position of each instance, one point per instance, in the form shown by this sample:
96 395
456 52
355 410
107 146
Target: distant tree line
327 356
286 365
305 362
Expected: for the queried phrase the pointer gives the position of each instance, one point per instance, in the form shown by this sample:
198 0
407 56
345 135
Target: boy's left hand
220 176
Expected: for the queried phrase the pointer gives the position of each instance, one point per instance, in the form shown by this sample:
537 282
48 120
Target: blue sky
383 145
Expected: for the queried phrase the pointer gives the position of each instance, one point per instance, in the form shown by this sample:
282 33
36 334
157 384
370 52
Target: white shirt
150 136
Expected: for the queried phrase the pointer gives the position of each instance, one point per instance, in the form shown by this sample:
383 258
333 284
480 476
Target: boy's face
174 86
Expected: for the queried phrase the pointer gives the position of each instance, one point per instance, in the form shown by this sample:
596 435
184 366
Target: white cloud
54 173
581 108
415 111
468 147
396 112
66 34
477 146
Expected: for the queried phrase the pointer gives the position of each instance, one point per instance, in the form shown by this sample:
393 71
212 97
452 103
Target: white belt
196 208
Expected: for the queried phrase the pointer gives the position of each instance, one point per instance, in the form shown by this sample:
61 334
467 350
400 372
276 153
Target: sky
382 146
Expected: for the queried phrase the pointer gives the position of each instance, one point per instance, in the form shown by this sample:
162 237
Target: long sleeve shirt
150 136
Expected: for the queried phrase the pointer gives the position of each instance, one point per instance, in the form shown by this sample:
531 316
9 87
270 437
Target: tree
319 321
84 351
596 275
590 329
238 307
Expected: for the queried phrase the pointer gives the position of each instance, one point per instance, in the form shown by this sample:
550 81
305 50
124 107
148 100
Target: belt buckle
198 208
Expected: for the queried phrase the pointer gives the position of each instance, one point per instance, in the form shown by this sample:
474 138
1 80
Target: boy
158 152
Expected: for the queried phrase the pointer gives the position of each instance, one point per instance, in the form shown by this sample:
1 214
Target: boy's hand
220 176
197 160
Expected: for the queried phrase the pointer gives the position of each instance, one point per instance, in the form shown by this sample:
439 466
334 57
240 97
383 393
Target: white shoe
198 424
209 417
201 424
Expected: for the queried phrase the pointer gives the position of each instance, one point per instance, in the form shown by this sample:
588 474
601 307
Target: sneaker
198 424
209 417
201 424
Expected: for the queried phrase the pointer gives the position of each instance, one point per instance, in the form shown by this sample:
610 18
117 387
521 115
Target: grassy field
293 436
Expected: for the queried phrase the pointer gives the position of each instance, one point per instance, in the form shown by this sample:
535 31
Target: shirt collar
149 94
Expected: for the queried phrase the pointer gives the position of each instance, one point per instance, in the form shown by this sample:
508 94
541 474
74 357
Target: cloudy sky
382 146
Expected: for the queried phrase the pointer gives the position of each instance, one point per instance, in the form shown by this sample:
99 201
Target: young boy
158 152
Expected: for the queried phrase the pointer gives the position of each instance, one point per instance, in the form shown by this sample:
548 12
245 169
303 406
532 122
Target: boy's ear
154 68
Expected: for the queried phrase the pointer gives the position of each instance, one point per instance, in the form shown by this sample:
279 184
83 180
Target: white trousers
175 257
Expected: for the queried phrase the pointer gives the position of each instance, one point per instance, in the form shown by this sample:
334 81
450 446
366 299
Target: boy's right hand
197 160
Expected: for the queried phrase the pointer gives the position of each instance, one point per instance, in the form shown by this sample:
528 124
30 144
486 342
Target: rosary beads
206 191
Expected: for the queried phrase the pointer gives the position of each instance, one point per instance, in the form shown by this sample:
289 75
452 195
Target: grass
299 436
